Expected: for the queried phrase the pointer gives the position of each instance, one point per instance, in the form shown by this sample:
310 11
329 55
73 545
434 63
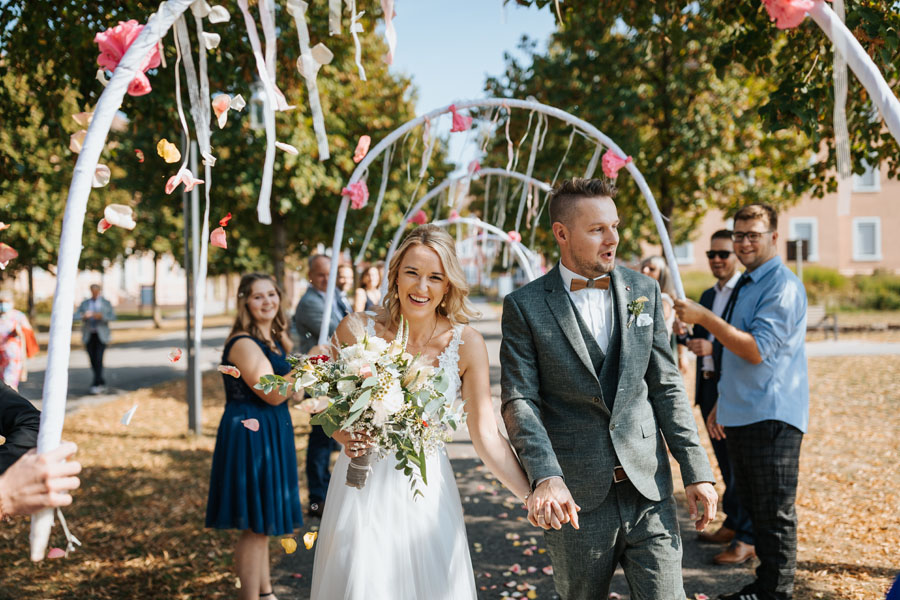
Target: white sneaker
96 389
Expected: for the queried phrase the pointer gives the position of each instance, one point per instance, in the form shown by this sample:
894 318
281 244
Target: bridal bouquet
376 387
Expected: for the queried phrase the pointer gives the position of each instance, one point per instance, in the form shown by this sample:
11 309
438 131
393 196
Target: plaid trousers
765 459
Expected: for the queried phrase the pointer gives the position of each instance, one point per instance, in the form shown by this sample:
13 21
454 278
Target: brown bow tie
601 283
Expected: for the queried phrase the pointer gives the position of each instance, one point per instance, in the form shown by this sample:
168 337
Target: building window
867 239
869 181
684 253
806 228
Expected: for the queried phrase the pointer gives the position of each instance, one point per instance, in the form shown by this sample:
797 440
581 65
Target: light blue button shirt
772 308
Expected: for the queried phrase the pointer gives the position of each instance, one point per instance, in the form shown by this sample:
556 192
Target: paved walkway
499 536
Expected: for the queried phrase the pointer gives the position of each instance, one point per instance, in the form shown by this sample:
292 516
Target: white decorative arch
590 132
438 189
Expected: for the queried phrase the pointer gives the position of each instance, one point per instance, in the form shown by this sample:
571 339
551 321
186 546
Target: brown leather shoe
722 536
736 554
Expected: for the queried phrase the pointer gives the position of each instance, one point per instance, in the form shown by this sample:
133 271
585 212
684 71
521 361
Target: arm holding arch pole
56 383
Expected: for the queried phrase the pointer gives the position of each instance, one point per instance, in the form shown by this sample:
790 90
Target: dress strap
231 342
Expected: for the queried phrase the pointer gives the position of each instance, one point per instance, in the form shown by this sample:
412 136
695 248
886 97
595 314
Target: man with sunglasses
763 406
737 530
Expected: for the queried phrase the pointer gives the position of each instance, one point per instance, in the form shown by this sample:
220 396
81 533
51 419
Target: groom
591 398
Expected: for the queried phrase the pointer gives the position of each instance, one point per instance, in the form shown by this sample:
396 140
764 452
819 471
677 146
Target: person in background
737 530
17 342
656 267
95 313
346 282
368 294
253 483
308 319
763 405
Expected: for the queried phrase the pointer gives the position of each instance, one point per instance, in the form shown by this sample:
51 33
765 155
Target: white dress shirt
594 305
723 293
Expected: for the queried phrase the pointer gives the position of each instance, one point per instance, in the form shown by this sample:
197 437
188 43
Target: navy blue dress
253 484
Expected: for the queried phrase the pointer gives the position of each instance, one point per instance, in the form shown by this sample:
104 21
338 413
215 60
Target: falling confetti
126 418
103 225
548 570
168 151
56 553
7 253
120 215
139 154
229 370
251 424
362 148
309 538
224 220
175 354
217 238
289 545
4 226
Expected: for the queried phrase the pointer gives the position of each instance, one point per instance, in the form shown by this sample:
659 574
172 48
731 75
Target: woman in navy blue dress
253 485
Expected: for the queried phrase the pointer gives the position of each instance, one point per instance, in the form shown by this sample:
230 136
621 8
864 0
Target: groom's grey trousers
627 529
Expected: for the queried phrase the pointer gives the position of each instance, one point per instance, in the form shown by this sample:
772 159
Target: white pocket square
644 320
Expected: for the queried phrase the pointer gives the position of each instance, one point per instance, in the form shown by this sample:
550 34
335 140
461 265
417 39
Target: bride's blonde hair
456 305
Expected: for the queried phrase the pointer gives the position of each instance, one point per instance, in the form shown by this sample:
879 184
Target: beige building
856 243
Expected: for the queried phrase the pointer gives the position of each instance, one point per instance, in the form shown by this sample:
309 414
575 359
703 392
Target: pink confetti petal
76 140
514 236
7 253
362 148
4 226
420 218
454 215
221 104
103 225
358 193
101 176
460 122
224 220
229 370
548 570
139 154
175 354
516 568
474 167
120 215
612 162
251 424
217 238
56 553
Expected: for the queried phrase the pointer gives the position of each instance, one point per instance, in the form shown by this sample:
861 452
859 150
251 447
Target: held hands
705 494
551 505
35 482
354 443
700 347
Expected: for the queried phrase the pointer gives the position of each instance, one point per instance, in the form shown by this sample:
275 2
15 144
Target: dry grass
140 510
141 507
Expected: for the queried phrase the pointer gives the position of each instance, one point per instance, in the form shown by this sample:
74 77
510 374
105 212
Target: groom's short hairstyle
565 196
762 212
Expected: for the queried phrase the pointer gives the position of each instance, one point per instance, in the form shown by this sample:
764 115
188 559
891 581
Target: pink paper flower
454 215
217 238
362 148
229 370
114 42
460 122
514 236
787 13
420 218
358 193
612 162
474 167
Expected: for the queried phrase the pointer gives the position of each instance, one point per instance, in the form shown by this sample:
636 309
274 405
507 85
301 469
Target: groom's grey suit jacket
573 412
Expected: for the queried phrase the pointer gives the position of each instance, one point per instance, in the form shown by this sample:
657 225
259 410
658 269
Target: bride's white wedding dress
378 543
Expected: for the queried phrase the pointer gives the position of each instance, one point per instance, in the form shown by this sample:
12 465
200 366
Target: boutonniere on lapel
636 310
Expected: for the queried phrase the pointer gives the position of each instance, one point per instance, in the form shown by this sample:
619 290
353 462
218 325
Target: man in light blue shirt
763 407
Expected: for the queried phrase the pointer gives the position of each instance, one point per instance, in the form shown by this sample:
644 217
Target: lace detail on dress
448 360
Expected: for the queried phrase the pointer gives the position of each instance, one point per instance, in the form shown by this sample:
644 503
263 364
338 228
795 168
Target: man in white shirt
737 530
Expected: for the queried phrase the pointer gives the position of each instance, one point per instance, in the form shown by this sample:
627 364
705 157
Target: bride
378 542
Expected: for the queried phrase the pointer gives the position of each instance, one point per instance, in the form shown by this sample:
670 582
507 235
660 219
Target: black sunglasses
723 254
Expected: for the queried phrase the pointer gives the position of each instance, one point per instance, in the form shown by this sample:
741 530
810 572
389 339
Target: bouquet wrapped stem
358 470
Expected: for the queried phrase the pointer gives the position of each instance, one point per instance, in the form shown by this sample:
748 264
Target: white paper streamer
385 176
56 382
263 210
355 29
841 134
535 146
267 20
390 34
592 165
309 63
334 17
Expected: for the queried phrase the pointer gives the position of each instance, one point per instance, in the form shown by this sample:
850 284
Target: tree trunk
279 248
32 313
157 311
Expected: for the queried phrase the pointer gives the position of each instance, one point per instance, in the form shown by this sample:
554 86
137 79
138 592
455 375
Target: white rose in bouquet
346 386
308 378
314 405
387 402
